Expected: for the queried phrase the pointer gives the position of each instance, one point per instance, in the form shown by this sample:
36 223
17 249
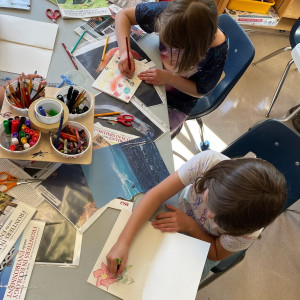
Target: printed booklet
83 9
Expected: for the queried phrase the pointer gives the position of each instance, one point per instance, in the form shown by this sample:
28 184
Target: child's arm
160 77
177 221
124 19
142 213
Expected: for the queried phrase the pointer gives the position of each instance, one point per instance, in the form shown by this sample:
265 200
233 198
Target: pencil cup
78 100
21 106
73 141
17 136
48 111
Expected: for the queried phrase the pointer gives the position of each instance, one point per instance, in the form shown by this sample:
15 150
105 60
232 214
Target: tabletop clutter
68 139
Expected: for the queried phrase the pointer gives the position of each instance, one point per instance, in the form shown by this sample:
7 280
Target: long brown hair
245 194
189 26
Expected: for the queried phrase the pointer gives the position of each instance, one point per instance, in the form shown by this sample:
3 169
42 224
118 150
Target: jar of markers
17 135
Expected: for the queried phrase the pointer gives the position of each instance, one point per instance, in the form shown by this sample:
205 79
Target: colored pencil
59 130
128 57
80 38
105 46
70 56
107 114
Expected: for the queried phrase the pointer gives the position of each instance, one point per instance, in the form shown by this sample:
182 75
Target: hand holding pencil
126 63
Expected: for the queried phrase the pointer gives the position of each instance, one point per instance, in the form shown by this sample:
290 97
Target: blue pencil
80 38
59 130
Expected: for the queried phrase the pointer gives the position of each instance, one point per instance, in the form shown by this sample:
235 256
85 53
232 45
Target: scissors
126 120
7 181
53 15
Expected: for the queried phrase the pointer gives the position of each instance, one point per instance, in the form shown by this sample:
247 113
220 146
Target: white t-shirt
193 205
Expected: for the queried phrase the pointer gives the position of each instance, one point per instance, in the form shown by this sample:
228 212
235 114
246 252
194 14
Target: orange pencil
107 114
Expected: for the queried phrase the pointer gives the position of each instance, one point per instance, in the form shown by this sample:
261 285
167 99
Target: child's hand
124 66
155 76
174 221
120 251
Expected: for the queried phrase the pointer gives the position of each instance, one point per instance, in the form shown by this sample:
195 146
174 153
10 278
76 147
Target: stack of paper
26 45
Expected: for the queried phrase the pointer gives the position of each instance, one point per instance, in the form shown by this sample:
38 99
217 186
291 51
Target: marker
80 38
104 49
70 56
118 261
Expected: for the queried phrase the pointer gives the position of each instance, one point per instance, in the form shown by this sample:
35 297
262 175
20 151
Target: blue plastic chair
294 38
240 55
277 143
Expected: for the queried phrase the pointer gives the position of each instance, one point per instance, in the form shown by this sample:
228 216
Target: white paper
160 265
26 45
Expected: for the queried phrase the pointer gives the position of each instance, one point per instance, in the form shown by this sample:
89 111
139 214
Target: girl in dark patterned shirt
193 50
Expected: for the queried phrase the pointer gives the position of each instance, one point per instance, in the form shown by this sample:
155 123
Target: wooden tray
44 151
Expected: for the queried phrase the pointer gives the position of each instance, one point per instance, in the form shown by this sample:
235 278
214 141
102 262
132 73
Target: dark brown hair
189 26
245 194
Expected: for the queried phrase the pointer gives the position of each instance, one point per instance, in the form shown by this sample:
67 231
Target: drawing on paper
105 278
112 82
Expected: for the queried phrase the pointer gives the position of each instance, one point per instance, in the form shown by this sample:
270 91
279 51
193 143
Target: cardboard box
247 18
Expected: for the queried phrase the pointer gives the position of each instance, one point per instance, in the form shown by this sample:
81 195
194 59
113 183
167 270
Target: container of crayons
48 111
21 93
72 141
78 100
17 136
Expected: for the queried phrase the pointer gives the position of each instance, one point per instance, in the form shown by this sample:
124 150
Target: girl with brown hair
193 50
226 202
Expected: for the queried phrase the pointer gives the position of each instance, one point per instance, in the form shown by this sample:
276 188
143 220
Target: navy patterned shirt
206 74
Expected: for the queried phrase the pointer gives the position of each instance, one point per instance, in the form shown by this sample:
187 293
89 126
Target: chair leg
272 55
204 145
287 68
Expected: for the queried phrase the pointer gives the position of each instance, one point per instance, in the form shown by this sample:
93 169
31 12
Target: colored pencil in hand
128 57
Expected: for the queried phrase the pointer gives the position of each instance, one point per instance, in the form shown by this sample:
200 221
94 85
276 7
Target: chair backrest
295 34
277 143
240 55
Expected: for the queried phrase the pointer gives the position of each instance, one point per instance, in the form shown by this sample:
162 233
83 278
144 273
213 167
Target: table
53 282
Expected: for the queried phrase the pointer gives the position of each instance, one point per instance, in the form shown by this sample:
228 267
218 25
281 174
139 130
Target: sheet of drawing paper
177 268
112 82
142 251
160 265
26 45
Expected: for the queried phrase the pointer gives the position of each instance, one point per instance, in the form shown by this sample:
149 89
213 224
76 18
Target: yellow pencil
104 50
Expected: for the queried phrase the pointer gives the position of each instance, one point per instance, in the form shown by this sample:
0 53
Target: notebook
26 45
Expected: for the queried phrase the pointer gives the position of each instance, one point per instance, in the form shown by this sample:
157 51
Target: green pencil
80 38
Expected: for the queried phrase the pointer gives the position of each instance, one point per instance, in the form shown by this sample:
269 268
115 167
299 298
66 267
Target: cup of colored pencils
22 93
78 100
71 141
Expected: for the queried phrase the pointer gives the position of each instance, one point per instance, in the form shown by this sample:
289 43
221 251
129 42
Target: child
226 202
193 50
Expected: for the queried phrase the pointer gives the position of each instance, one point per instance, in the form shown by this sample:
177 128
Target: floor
271 268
